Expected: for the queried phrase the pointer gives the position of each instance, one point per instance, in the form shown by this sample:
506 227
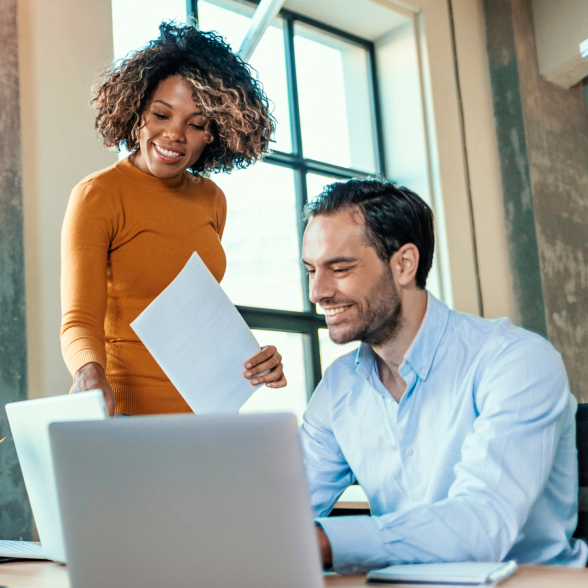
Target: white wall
407 154
62 45
560 27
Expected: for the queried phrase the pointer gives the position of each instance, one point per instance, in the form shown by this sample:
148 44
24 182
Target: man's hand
92 377
324 547
267 360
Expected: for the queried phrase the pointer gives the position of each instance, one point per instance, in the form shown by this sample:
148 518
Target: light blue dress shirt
477 462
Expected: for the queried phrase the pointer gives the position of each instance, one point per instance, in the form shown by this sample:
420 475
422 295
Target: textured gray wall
556 126
543 143
514 163
15 514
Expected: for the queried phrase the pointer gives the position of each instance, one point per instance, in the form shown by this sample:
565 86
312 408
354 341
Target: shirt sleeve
326 467
87 232
506 459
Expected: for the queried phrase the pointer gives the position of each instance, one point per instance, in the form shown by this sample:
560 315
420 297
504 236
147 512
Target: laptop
29 421
184 501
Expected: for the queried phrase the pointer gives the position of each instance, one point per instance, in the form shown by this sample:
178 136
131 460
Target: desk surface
51 575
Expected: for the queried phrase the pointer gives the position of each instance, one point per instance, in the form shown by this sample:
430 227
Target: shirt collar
421 353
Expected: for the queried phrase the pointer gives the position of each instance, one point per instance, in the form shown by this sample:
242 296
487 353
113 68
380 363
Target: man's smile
336 314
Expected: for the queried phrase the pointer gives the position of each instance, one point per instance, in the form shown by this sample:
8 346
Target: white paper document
200 340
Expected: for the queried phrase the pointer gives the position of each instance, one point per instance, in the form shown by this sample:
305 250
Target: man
460 430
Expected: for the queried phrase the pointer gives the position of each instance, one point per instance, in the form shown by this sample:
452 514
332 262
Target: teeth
168 153
334 311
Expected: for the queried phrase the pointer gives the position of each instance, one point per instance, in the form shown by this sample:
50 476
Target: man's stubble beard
380 319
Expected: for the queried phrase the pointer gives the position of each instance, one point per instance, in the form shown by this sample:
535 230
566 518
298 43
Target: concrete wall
556 128
514 164
63 44
15 513
543 137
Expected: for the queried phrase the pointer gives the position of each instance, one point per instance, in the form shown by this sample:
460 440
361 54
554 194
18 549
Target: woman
183 106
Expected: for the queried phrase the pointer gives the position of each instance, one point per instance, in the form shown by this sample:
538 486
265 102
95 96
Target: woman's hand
92 377
265 368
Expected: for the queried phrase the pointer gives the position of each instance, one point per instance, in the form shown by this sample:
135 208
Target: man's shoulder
497 339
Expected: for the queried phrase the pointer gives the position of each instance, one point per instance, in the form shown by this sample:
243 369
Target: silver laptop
184 501
29 421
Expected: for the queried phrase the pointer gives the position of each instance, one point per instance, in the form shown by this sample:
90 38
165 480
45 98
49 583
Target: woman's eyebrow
199 113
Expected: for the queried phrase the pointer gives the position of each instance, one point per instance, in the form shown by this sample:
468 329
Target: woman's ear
405 263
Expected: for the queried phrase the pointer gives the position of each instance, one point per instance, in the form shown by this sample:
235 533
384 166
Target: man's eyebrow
199 113
340 259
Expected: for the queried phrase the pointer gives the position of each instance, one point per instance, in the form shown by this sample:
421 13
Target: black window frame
309 321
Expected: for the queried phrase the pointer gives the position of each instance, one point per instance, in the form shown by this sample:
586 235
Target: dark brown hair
393 216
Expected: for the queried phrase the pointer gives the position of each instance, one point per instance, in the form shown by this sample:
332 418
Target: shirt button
408 452
388 399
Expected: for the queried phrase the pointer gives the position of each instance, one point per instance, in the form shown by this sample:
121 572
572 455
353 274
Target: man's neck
390 356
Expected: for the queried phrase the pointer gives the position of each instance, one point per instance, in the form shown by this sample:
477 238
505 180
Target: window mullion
296 129
376 110
313 362
192 8
301 198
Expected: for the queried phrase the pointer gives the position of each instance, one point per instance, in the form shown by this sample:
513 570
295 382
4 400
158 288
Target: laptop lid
184 501
29 421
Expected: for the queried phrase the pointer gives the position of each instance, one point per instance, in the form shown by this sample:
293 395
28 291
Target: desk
50 575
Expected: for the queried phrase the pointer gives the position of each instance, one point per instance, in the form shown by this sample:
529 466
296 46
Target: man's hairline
365 237
356 210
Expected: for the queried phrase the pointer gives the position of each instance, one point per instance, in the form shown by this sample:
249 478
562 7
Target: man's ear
405 263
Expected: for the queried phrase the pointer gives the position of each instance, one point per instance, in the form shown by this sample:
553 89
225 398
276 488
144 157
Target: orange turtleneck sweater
126 236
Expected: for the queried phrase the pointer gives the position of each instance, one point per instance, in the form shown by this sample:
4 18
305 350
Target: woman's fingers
270 365
265 353
266 368
278 383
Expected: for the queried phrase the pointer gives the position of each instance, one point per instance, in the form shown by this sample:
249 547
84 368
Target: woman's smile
167 154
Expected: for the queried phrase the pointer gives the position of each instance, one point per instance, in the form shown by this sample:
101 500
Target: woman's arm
85 241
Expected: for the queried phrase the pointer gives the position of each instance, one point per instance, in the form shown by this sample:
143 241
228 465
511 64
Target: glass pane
334 98
316 183
331 351
136 22
231 20
292 398
261 238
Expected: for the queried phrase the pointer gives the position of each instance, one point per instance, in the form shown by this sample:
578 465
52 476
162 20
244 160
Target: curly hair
239 125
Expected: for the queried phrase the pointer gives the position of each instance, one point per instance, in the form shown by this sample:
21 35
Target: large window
322 85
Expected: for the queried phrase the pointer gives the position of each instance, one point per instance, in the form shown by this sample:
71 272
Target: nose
320 287
174 130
